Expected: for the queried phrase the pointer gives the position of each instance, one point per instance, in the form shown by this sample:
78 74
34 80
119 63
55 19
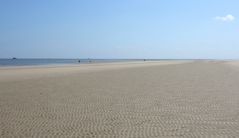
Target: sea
39 62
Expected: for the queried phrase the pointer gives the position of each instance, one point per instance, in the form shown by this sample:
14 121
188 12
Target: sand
143 99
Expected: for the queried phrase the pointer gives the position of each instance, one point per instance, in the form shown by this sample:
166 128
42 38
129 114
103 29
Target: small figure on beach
14 58
79 61
144 59
89 60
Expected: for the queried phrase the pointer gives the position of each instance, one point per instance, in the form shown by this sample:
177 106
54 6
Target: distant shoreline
21 62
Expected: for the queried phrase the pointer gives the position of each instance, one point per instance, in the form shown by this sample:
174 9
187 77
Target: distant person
79 61
89 60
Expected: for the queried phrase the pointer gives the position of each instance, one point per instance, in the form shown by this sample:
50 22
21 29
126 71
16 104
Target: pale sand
151 99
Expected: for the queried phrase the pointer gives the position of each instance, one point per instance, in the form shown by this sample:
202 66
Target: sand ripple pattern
198 99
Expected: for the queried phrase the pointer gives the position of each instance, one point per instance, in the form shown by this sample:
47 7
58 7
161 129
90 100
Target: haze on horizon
119 29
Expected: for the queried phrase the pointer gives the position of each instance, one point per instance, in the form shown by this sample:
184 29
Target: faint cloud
227 18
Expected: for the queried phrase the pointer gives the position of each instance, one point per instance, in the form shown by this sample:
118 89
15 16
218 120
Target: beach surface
134 99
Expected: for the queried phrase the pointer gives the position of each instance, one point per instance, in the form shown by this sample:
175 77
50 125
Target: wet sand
143 99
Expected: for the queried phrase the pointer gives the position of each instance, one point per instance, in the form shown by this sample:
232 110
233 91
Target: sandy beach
135 99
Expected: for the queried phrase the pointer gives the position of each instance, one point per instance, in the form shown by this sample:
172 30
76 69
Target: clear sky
119 29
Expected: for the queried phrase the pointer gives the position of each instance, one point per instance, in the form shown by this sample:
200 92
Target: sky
159 29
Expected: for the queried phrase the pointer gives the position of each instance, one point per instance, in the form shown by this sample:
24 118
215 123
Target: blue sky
119 29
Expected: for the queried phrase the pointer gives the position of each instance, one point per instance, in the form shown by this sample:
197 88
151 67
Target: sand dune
164 99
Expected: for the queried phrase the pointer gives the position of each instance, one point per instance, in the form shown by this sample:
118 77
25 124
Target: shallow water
32 62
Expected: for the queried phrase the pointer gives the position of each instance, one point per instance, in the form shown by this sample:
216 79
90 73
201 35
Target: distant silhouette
79 61
14 58
89 60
